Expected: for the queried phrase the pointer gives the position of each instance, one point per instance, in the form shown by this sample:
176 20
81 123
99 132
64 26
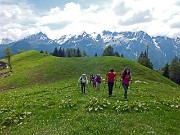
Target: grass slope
46 99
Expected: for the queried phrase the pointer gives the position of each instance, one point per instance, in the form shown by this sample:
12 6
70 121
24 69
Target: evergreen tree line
109 51
70 52
143 59
172 70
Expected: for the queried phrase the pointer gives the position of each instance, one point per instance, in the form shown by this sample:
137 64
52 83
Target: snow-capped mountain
6 41
39 38
130 44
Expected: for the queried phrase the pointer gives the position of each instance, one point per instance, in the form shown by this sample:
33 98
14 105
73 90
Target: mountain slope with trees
161 49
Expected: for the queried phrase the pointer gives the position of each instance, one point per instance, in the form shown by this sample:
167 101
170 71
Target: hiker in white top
83 80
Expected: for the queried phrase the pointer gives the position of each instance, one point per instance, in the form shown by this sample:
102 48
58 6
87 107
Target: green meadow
42 97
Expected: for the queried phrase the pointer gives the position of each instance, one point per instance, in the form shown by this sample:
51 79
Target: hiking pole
120 83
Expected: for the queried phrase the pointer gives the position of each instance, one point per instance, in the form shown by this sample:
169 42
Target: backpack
121 74
98 78
83 79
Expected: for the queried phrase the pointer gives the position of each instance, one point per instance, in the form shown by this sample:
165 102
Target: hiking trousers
110 87
98 85
83 87
125 86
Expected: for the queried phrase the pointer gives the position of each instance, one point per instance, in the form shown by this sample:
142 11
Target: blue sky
48 4
20 18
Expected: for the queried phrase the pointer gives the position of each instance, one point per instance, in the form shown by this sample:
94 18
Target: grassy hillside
32 68
46 98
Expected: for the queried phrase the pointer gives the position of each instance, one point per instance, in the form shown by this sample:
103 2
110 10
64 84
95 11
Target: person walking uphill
110 77
126 78
98 79
83 80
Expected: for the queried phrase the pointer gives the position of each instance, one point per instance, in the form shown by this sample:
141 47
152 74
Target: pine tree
117 54
8 54
166 71
60 52
96 54
46 52
144 60
84 54
174 70
108 51
41 51
55 52
74 52
64 53
70 52
78 53
122 56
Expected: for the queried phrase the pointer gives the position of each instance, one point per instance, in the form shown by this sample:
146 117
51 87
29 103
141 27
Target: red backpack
121 74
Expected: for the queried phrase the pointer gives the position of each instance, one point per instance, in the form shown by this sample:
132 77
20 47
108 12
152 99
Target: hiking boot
125 99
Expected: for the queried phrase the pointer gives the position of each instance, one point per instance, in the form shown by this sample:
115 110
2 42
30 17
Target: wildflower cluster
10 116
130 107
97 104
67 104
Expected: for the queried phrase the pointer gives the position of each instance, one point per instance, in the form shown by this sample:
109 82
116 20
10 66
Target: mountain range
161 49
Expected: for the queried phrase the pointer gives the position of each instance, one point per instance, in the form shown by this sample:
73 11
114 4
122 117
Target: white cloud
70 13
160 17
174 22
77 19
15 17
120 7
154 17
134 18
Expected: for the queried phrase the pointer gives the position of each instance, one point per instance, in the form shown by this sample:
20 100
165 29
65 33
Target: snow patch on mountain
6 41
94 36
131 44
156 44
63 39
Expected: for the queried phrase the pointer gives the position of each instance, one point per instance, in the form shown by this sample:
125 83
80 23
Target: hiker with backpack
93 80
83 80
98 79
126 80
91 76
110 78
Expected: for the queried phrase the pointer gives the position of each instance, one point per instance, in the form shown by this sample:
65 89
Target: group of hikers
111 77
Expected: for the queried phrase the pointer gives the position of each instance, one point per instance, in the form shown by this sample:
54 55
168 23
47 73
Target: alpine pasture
42 97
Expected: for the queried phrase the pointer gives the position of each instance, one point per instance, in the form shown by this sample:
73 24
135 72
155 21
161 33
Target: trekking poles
120 83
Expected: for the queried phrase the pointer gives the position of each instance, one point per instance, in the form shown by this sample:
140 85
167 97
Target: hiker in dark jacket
92 79
98 79
83 81
126 79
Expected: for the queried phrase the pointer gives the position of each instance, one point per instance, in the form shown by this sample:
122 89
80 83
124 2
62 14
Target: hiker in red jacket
110 77
126 79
